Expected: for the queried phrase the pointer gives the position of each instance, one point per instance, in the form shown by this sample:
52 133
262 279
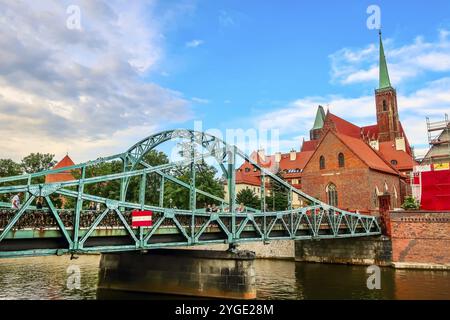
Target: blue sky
134 69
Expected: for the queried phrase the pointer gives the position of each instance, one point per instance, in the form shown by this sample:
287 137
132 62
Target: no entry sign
141 218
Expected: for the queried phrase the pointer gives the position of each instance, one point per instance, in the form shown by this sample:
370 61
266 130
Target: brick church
346 165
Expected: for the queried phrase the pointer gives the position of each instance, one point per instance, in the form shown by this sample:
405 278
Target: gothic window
332 195
375 198
384 105
341 159
322 162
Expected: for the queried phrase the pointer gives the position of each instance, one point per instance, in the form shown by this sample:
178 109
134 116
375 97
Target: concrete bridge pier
194 273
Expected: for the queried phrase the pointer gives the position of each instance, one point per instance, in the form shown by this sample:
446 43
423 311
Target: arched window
384 105
341 159
332 195
394 162
322 162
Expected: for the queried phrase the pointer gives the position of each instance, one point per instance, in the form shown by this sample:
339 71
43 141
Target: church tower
315 132
386 103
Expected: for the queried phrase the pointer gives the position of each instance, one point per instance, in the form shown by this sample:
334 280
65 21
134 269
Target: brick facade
387 114
420 238
354 173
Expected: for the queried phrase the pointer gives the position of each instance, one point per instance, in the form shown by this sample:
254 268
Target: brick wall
420 238
356 183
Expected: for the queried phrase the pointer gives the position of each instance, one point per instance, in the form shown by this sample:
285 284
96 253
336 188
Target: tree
36 162
278 199
9 168
411 203
248 198
152 158
205 180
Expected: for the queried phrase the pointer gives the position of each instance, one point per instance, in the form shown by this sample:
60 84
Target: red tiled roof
369 156
373 131
309 145
298 164
245 178
344 127
61 176
404 160
370 131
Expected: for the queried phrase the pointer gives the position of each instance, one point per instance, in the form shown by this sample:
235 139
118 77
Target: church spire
385 82
320 118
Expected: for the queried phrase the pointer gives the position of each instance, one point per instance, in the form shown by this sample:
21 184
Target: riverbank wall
418 240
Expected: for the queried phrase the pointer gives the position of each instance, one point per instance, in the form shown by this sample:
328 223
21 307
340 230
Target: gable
330 146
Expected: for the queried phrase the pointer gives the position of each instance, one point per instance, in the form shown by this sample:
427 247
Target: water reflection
46 278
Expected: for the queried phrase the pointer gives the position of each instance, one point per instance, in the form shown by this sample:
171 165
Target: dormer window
394 162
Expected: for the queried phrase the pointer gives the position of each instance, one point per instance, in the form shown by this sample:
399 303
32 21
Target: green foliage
106 189
278 199
178 196
248 198
410 203
36 162
205 180
9 168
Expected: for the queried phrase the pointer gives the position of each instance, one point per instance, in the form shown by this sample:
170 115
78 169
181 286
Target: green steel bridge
29 232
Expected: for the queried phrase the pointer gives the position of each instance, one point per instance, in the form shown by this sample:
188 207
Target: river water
47 278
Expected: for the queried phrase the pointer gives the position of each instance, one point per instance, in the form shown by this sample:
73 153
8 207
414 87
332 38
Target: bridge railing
110 229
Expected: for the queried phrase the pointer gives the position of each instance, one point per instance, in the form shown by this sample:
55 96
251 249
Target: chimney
278 157
293 155
400 144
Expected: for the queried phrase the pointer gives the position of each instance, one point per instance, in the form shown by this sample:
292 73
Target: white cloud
405 62
194 43
298 116
79 90
296 119
200 100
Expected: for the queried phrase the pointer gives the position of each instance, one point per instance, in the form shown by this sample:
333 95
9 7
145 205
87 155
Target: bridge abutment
195 273
355 251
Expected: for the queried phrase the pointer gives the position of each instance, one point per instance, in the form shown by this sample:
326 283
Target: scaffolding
439 140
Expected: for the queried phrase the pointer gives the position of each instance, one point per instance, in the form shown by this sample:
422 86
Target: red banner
141 218
436 190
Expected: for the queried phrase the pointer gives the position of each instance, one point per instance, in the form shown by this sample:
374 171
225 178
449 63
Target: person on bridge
39 203
15 202
92 206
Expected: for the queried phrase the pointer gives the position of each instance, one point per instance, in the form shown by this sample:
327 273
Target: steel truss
31 232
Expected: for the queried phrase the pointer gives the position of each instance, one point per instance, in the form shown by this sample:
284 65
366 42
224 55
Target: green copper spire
320 118
385 82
